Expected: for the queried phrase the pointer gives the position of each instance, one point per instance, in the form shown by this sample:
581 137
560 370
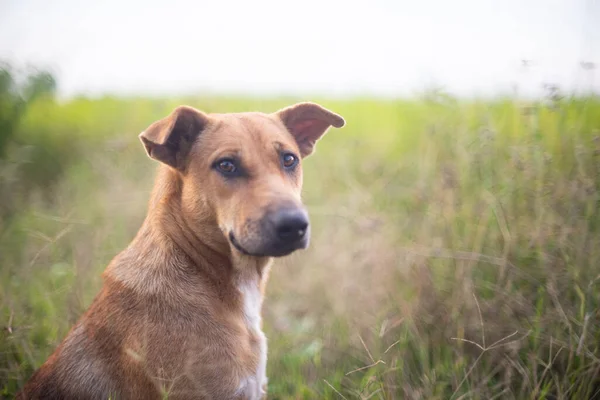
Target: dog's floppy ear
169 140
307 122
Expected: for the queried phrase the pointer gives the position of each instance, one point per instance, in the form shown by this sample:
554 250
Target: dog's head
243 171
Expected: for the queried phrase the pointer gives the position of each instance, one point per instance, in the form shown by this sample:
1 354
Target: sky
326 47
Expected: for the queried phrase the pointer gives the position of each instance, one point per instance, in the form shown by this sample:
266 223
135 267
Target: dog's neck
168 231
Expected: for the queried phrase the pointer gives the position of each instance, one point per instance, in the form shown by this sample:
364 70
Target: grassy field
455 250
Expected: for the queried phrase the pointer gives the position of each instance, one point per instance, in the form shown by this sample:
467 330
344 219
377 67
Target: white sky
330 47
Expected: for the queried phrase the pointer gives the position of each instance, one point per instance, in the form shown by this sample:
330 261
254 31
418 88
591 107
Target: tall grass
455 249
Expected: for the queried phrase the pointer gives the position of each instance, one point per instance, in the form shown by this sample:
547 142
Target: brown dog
178 315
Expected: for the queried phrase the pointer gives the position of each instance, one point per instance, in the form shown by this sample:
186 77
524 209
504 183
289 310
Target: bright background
392 48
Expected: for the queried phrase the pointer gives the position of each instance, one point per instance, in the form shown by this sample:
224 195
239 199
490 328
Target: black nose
290 224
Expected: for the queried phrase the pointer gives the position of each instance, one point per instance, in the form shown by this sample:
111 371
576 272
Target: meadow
455 249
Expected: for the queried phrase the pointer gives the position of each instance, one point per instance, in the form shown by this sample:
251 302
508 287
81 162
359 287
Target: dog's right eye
226 167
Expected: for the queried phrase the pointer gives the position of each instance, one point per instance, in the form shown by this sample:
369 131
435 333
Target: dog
179 312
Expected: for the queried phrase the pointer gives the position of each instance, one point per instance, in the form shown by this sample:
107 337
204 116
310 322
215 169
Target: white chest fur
253 385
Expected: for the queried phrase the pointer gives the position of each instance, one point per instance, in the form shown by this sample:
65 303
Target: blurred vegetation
455 249
26 161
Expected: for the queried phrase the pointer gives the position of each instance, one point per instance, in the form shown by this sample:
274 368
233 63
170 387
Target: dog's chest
253 386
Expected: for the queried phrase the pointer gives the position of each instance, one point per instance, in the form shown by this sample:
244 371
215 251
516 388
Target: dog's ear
169 140
307 122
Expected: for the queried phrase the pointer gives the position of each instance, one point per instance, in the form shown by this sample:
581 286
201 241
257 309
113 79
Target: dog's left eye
289 160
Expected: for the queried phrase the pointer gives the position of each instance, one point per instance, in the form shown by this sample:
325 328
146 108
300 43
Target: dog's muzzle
277 234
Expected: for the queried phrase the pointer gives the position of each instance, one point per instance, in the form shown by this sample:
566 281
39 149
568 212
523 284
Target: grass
455 250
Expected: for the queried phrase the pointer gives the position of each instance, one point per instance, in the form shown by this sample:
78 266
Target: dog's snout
290 224
280 231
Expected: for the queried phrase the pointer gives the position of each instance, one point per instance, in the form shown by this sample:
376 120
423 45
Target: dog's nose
290 224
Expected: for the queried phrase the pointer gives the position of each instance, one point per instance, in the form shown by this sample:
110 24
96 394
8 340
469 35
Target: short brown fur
179 310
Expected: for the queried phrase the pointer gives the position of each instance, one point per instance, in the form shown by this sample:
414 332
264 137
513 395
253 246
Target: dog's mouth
239 247
276 249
